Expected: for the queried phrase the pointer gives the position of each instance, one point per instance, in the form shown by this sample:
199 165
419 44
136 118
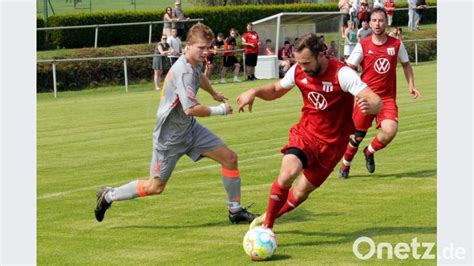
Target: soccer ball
260 243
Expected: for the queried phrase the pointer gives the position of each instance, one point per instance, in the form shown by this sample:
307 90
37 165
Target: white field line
60 194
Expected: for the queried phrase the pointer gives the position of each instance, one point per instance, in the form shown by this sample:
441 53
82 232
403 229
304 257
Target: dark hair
249 23
220 34
286 42
378 10
312 42
199 31
166 9
268 40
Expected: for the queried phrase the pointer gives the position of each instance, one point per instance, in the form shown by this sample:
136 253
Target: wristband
220 109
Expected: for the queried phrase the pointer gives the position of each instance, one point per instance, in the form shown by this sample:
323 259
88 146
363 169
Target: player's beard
315 72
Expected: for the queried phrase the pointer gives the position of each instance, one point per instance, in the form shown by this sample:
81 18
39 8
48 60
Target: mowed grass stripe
101 137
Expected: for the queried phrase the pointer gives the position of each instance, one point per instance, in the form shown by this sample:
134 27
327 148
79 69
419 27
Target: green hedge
40 35
87 74
220 19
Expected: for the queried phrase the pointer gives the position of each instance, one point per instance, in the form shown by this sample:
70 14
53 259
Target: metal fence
54 62
96 37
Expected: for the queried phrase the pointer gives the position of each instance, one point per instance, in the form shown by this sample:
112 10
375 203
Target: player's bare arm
206 85
200 110
408 70
368 101
268 92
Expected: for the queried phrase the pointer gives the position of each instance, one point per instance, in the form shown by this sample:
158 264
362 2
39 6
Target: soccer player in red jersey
378 57
317 142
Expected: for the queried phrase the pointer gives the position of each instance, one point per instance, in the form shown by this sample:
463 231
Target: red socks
290 204
374 146
278 197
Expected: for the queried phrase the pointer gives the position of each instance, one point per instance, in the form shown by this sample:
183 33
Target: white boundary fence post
416 53
149 33
125 73
54 80
96 36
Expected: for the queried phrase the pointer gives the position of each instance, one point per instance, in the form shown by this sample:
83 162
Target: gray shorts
202 140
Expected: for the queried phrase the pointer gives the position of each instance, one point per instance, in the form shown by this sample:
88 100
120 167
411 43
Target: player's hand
219 97
414 93
228 108
363 105
246 98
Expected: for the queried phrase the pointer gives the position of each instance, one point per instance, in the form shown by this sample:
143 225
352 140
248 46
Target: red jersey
379 65
327 109
251 37
389 6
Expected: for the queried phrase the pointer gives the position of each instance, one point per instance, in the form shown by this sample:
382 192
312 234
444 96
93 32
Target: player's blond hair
199 31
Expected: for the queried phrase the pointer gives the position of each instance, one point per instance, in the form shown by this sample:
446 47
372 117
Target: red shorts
322 158
363 122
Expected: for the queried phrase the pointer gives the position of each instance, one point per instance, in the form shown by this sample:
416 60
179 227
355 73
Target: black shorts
230 61
251 60
209 59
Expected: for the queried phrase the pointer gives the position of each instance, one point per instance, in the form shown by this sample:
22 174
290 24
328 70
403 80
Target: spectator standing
175 46
377 4
420 8
389 6
161 49
344 7
411 14
178 14
332 50
168 18
350 39
364 11
364 31
250 41
354 11
216 45
229 57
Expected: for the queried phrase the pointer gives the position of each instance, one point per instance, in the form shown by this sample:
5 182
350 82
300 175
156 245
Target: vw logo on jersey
391 51
382 65
318 100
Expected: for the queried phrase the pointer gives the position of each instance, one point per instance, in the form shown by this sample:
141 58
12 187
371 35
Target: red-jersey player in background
317 142
378 56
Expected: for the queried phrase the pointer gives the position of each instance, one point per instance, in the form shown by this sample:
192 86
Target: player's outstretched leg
237 214
134 189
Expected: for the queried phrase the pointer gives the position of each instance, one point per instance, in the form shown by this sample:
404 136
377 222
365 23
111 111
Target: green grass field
93 138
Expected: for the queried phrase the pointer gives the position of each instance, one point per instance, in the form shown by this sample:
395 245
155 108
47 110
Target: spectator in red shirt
389 7
250 41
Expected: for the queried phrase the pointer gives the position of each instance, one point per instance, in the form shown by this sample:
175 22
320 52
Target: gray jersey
173 126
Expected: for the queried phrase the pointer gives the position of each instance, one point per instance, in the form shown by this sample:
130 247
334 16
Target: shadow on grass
297 216
415 174
351 237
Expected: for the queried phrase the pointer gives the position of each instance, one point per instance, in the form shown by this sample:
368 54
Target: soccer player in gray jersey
177 132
